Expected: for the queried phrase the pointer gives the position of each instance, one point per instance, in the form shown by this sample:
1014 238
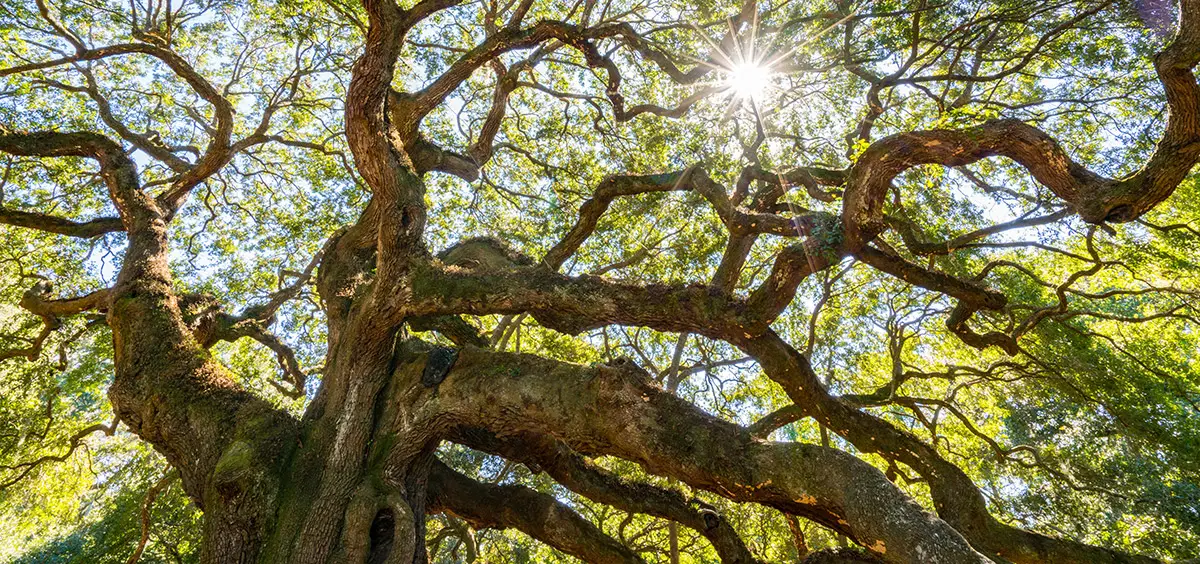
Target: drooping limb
955 496
1095 198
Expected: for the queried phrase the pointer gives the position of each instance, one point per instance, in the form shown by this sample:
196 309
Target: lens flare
749 80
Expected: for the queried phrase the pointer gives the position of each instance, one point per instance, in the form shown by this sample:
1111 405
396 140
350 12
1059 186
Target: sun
748 80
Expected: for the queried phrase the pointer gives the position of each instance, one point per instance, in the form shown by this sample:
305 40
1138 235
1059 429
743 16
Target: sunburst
748 72
749 80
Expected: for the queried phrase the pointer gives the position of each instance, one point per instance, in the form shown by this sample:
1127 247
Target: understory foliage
599 280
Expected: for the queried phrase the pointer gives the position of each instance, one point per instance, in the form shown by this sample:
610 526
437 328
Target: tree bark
353 479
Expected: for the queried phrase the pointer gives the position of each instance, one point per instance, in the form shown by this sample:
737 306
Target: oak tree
914 274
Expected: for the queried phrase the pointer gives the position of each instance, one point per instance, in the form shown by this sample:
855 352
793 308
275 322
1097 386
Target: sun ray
789 52
749 80
745 70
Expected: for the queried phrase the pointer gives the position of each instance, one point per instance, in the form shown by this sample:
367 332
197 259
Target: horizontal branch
971 293
577 474
117 169
60 226
37 301
489 506
575 304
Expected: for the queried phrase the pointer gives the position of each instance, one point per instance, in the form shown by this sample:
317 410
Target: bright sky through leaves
632 281
749 80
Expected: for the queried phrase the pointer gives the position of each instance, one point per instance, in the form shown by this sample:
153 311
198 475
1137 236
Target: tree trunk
353 480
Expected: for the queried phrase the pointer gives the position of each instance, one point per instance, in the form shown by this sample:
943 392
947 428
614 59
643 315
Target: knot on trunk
437 365
712 519
626 364
486 253
236 471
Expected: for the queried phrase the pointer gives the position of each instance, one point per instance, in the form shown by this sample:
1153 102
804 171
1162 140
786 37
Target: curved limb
1095 198
955 495
573 471
535 514
574 304
510 393
206 414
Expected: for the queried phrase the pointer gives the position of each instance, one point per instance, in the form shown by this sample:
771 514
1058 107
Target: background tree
375 281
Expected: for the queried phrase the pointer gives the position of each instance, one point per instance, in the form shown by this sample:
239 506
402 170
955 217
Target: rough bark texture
353 480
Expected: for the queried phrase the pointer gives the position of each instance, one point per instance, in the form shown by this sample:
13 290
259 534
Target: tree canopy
618 281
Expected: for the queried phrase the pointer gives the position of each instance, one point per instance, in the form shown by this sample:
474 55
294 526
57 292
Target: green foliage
1106 397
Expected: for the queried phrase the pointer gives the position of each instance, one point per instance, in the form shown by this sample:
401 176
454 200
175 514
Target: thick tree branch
970 293
670 437
38 301
576 473
204 414
117 169
535 514
572 305
1095 198
397 209
60 226
955 496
